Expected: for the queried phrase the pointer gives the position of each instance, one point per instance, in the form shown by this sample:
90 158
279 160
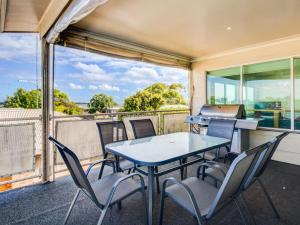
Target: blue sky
80 74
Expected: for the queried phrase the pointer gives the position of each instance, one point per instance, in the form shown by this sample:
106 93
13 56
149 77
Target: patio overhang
198 36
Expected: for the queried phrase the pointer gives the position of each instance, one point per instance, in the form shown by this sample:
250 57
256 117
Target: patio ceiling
24 15
195 28
30 15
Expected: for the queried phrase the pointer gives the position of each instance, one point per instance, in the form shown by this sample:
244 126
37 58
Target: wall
278 49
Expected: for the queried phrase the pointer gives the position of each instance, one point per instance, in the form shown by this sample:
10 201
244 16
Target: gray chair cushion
204 194
210 155
103 187
126 165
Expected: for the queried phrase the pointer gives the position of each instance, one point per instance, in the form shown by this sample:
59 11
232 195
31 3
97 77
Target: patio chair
204 200
110 132
144 128
105 192
207 169
223 128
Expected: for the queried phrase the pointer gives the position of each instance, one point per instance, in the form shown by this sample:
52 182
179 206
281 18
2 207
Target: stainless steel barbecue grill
237 112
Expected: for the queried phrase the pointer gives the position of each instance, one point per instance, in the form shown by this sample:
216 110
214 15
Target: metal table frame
151 173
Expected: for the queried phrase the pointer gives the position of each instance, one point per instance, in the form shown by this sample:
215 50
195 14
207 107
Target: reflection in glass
297 93
223 86
266 93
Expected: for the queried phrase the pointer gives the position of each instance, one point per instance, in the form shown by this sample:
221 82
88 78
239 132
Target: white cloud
20 47
151 74
141 75
66 55
93 87
89 68
119 64
107 87
90 72
75 86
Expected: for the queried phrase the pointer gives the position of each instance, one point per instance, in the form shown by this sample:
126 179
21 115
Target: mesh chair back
110 132
266 158
222 128
142 128
235 176
75 168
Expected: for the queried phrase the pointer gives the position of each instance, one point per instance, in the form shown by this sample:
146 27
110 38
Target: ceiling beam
51 14
3 4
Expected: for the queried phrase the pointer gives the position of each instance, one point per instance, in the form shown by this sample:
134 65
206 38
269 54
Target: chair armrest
231 156
122 179
210 164
104 161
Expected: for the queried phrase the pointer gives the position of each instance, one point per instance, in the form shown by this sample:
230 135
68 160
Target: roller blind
107 45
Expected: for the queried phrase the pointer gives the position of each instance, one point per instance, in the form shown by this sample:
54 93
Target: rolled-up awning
111 46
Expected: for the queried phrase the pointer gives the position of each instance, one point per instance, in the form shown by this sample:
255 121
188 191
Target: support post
47 74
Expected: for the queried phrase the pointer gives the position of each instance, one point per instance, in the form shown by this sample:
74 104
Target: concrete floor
47 204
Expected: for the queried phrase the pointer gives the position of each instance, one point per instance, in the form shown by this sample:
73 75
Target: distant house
112 109
170 107
82 105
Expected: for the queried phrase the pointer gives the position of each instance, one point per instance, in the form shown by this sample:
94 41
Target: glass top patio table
158 150
163 149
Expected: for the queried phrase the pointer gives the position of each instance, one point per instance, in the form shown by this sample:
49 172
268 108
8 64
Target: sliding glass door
267 93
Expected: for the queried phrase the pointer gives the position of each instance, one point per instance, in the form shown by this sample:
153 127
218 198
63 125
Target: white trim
292 87
249 47
252 63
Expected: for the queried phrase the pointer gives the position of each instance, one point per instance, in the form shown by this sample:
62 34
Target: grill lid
236 111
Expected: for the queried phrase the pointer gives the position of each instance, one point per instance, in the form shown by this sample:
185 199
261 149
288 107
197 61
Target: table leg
118 163
150 193
184 160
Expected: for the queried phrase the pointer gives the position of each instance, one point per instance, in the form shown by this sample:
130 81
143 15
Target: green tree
24 99
63 104
143 101
100 102
32 99
153 97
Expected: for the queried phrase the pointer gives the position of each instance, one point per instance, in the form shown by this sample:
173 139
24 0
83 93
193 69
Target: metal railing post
47 70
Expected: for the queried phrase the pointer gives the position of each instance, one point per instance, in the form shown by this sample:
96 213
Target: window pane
266 93
297 93
223 86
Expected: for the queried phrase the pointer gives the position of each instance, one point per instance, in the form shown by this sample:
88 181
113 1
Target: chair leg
240 211
268 198
157 180
161 210
119 205
71 206
101 171
181 170
103 213
217 154
145 203
102 167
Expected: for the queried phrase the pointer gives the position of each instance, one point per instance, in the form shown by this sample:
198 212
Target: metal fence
20 140
80 133
20 150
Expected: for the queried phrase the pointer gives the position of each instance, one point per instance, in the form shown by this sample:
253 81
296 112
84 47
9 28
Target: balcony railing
21 143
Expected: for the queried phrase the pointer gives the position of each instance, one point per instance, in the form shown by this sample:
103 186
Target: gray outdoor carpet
47 204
